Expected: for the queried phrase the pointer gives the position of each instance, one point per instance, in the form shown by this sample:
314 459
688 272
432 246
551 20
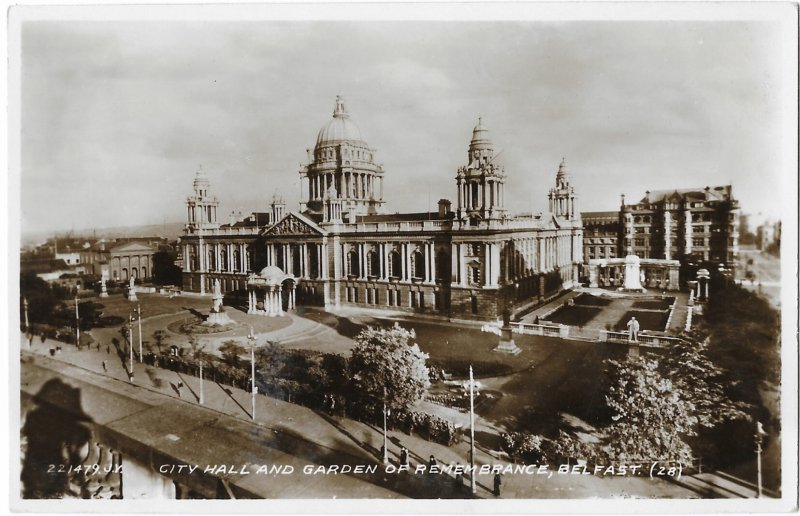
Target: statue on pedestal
507 344
103 279
132 290
217 316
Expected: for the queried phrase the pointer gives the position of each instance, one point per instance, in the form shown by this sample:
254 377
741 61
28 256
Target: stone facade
701 224
341 249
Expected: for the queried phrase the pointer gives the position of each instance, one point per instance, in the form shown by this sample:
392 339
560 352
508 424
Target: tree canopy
385 367
651 417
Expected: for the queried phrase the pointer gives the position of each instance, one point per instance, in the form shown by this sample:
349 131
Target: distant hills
171 230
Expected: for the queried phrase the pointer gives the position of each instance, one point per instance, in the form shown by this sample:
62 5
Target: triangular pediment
129 247
294 224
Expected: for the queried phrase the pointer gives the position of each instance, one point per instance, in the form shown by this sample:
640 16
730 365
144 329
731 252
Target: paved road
301 435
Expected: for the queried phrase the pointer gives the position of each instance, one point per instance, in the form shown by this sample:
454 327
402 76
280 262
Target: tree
231 351
160 337
651 417
195 349
386 369
702 382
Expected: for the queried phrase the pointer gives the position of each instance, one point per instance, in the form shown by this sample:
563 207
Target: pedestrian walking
98 345
403 456
108 349
431 464
42 336
497 482
105 365
332 405
180 386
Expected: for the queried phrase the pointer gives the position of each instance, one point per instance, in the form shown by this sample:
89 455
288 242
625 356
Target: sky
116 116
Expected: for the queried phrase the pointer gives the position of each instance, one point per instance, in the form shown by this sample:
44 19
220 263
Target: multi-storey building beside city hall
341 248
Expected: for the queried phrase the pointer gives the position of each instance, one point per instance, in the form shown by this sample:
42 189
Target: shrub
523 446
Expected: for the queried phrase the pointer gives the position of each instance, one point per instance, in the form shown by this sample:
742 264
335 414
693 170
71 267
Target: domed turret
340 129
481 149
343 160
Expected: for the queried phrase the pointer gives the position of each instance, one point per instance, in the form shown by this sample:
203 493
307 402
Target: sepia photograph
393 257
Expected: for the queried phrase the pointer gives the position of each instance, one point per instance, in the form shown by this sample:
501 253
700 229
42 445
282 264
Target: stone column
279 300
403 250
384 265
455 261
324 261
187 262
362 258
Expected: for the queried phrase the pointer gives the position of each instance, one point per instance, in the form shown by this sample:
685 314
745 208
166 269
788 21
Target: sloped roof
714 193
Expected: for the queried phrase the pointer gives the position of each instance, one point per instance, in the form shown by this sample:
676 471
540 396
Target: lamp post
202 399
130 345
252 340
139 315
472 482
386 412
760 433
77 325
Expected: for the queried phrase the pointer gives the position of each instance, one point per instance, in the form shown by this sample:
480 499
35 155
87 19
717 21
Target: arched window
395 268
373 264
223 260
236 260
211 262
352 263
417 265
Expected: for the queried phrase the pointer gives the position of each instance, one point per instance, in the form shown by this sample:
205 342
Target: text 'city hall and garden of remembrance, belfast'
341 248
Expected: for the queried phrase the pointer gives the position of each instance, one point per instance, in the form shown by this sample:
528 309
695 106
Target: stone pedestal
218 319
632 274
507 344
103 288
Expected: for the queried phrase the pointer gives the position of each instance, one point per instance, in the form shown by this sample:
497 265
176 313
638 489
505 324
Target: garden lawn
151 304
650 321
574 315
591 300
649 304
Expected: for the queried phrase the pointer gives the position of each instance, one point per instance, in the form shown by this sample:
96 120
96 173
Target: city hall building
471 261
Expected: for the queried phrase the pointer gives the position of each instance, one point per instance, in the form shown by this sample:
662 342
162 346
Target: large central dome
340 128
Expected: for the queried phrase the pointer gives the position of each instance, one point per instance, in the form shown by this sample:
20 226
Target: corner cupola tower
481 183
201 207
562 196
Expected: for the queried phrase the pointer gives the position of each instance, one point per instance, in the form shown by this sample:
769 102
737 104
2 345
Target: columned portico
265 292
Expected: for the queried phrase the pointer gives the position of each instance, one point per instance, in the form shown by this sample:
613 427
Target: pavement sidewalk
356 438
